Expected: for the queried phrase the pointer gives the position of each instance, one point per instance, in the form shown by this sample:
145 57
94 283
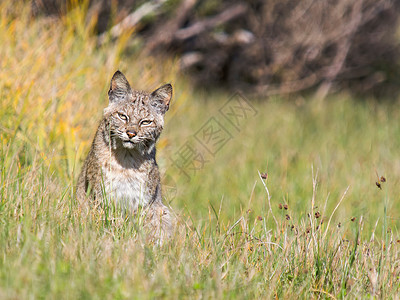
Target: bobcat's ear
161 98
119 87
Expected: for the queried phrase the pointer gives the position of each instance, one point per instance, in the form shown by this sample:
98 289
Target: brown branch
207 24
132 19
165 33
343 50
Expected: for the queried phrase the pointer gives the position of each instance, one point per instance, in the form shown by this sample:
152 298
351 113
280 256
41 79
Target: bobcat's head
135 119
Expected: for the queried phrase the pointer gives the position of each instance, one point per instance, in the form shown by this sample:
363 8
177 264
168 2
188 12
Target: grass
237 238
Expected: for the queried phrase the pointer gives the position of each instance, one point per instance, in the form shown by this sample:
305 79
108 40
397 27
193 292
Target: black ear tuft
119 87
161 98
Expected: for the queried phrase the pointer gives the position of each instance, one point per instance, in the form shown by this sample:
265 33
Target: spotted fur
121 163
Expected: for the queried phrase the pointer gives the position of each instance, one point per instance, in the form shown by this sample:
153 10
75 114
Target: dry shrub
289 46
271 46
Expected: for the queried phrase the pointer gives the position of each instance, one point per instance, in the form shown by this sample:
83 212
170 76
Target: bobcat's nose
131 133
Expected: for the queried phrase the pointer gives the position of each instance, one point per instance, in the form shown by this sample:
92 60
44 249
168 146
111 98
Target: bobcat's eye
122 117
146 122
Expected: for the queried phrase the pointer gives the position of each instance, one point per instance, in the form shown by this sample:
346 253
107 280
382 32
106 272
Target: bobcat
121 163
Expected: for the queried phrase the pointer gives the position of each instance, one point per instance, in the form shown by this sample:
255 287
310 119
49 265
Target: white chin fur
128 145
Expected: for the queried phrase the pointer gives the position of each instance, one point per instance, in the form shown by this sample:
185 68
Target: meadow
284 202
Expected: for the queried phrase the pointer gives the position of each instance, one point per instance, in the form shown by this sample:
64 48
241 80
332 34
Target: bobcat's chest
127 187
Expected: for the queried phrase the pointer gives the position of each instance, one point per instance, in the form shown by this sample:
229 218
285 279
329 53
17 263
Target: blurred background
264 47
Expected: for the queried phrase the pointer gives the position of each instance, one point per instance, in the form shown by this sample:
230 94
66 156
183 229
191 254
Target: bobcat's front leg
159 221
